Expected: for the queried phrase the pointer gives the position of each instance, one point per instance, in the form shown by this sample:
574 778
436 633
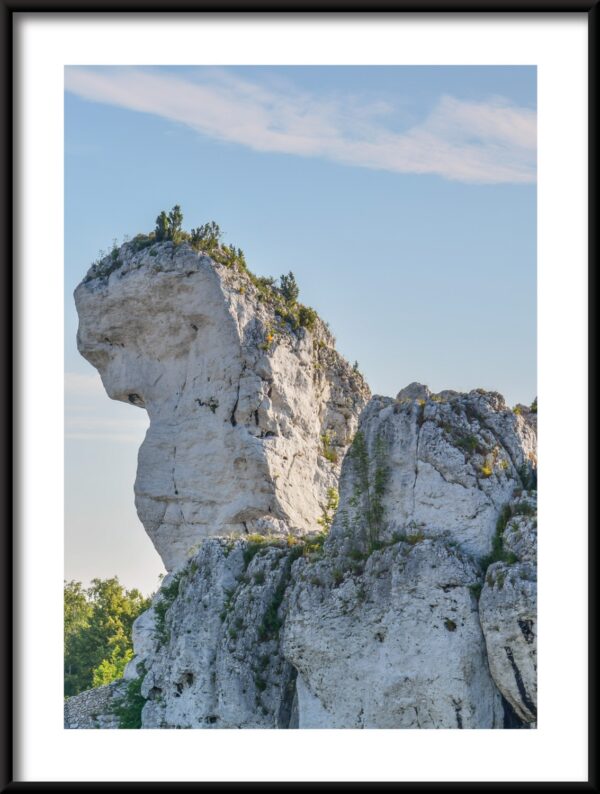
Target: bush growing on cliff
129 708
168 226
206 236
161 231
289 287
168 594
97 632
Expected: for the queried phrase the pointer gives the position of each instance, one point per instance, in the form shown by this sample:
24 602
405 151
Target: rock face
508 611
384 630
448 463
413 607
249 418
393 642
211 653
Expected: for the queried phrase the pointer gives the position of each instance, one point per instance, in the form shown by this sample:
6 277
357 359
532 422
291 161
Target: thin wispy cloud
476 142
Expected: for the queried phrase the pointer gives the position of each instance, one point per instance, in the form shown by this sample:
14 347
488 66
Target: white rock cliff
249 419
416 610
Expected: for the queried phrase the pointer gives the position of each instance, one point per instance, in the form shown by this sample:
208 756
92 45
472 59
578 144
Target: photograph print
300 397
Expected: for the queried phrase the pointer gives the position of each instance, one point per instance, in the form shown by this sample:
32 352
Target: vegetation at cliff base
97 632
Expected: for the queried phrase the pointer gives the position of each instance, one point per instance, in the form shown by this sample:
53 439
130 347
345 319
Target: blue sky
403 199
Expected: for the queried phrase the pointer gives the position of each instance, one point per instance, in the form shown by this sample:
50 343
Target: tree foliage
97 631
161 232
289 287
208 235
168 226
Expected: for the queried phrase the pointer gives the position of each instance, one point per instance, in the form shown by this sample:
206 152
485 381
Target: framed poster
435 139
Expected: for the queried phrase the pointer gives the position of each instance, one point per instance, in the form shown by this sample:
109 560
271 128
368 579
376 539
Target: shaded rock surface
508 612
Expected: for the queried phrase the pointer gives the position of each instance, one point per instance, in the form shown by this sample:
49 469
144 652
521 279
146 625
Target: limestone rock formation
450 464
392 641
413 607
211 654
384 630
249 417
508 611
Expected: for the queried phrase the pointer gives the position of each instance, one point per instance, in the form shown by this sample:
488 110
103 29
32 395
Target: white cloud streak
488 142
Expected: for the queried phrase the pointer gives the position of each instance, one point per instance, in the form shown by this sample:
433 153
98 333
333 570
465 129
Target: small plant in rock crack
227 604
486 470
166 598
272 622
328 452
498 552
331 506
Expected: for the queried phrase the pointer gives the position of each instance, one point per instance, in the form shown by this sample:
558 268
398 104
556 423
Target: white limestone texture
450 463
416 610
213 659
249 418
384 630
393 642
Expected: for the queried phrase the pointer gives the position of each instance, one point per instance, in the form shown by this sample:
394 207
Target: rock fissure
519 681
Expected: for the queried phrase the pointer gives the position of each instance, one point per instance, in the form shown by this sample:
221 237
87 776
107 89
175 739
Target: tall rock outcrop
250 416
413 607
210 650
384 629
508 608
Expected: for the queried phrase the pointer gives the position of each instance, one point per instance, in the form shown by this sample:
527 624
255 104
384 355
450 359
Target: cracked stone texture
382 627
508 613
520 534
238 402
451 462
218 662
390 642
391 637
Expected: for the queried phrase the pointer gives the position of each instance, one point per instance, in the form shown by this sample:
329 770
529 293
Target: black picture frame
10 358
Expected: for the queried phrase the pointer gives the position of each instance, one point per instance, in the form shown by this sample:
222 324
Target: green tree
161 231
207 236
98 622
289 288
175 221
